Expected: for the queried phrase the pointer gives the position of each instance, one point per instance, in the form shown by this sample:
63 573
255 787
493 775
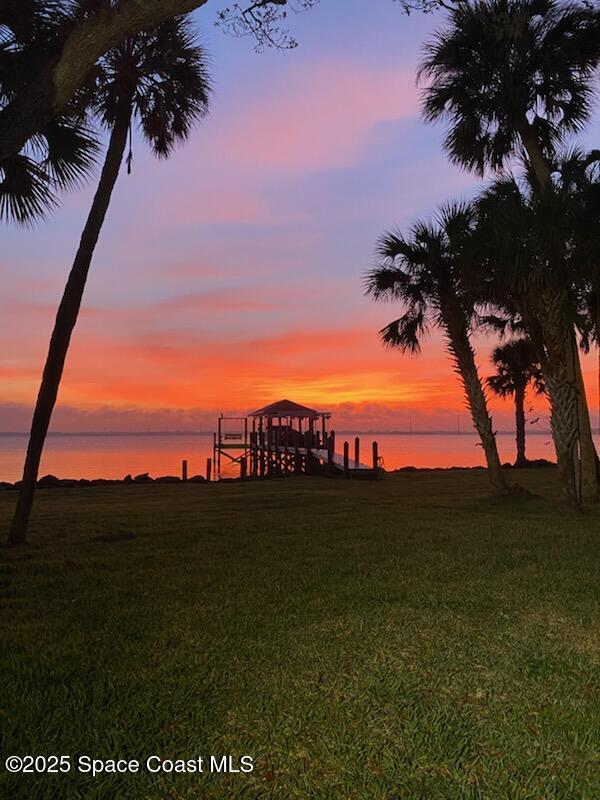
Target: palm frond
405 333
25 191
501 65
164 74
387 283
71 151
60 155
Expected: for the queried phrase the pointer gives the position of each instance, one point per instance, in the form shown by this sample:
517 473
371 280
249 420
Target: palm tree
63 152
580 177
532 248
512 76
515 78
423 273
516 367
158 79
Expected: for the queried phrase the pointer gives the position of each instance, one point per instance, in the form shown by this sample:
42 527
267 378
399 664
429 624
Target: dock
286 438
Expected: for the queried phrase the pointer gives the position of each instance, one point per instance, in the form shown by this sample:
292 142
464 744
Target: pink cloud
218 301
219 206
316 117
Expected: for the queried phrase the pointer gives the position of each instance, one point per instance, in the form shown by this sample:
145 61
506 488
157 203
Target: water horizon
114 455
341 431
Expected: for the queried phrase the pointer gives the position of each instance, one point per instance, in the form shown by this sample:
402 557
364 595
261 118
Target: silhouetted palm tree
423 273
532 250
158 79
516 367
62 154
515 78
580 174
512 76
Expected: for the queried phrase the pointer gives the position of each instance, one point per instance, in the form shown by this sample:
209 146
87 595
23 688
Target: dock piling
330 452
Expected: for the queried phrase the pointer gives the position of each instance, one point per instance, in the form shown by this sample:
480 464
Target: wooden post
346 460
375 457
243 469
184 470
271 446
356 451
208 469
218 465
330 451
263 457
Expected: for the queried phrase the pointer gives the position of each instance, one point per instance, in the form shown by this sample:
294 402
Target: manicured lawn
401 639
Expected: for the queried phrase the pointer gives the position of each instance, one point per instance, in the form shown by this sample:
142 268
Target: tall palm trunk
575 447
590 477
520 424
63 327
597 291
537 157
547 327
460 347
560 377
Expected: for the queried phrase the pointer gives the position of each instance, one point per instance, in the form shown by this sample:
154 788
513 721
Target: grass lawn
404 639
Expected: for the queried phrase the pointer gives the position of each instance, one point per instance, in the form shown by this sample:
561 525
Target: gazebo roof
286 408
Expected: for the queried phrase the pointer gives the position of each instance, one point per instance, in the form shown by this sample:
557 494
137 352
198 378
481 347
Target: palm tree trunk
63 328
537 157
546 323
590 475
560 377
561 370
520 425
597 290
460 347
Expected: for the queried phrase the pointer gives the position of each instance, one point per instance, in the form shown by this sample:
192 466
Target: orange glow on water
116 456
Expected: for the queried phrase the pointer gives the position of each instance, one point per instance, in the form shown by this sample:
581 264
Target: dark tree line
514 82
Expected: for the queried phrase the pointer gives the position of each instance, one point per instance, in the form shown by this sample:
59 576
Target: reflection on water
114 456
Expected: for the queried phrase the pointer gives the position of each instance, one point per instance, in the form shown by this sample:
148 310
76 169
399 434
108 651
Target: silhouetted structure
286 438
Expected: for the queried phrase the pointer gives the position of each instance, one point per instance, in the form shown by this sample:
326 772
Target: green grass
401 639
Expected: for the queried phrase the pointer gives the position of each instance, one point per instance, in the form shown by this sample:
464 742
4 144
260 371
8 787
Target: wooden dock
286 438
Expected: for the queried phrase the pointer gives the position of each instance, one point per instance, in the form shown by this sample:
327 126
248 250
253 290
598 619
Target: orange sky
231 276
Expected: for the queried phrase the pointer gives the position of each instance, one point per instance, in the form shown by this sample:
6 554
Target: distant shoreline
541 432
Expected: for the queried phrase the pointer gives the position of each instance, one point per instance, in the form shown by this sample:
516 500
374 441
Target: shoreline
144 479
341 432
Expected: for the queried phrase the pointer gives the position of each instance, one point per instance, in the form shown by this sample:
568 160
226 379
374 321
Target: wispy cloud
317 116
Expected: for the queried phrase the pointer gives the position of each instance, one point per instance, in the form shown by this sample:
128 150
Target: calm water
113 456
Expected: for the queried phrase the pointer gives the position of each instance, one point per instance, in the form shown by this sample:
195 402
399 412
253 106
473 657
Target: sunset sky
230 276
